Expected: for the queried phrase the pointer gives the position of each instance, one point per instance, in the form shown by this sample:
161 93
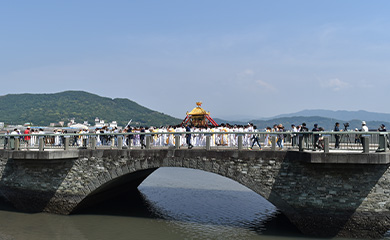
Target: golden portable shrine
198 117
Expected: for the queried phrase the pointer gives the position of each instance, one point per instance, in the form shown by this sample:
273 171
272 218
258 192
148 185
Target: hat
363 122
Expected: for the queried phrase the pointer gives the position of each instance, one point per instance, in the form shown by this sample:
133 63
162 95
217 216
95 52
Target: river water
172 203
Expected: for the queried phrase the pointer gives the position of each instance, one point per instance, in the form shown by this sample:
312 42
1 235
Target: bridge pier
323 194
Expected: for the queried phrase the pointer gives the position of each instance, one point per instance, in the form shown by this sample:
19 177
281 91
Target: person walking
188 137
142 138
279 142
27 139
294 135
255 138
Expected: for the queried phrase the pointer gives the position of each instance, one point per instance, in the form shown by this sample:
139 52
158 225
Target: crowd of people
190 136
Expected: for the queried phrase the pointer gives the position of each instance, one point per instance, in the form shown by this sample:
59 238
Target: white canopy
78 126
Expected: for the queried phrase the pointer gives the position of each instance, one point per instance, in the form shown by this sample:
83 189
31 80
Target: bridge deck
315 157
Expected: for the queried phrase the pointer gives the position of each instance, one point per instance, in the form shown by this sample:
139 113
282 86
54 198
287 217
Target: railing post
66 143
120 141
147 138
84 142
177 141
326 144
313 141
240 142
301 142
273 143
17 143
382 143
112 142
92 140
288 139
129 141
11 143
7 143
208 139
40 143
366 144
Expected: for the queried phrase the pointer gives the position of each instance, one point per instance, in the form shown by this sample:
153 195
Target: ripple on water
205 204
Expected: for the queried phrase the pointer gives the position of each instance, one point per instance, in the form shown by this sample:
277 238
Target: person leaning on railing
337 136
316 136
382 128
364 129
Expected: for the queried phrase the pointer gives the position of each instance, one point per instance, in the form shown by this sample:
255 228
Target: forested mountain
43 109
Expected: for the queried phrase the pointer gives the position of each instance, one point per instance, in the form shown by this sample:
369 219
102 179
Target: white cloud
334 84
266 85
247 73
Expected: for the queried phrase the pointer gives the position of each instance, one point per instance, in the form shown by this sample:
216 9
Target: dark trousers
337 144
316 140
294 141
256 140
188 140
142 140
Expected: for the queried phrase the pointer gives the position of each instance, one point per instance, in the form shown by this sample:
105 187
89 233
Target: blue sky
249 58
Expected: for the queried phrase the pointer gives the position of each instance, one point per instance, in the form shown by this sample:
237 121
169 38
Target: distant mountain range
324 118
43 109
341 115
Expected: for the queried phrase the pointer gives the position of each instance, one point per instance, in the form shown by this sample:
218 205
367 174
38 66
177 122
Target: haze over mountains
43 109
324 118
341 114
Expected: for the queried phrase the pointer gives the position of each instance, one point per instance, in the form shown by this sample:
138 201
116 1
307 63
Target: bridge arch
111 187
249 171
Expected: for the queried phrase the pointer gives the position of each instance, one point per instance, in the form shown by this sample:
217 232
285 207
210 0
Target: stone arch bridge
323 194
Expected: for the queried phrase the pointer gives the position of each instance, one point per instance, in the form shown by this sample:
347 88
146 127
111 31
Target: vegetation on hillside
43 109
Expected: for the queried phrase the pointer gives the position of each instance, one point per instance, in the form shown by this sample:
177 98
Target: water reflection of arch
228 164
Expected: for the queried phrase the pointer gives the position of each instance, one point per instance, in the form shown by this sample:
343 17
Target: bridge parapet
323 141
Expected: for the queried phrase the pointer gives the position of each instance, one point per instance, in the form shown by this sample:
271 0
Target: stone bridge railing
349 140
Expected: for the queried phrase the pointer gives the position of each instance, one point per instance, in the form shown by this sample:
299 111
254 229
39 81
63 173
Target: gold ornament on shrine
198 117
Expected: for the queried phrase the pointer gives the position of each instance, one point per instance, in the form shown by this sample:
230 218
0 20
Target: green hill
43 109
